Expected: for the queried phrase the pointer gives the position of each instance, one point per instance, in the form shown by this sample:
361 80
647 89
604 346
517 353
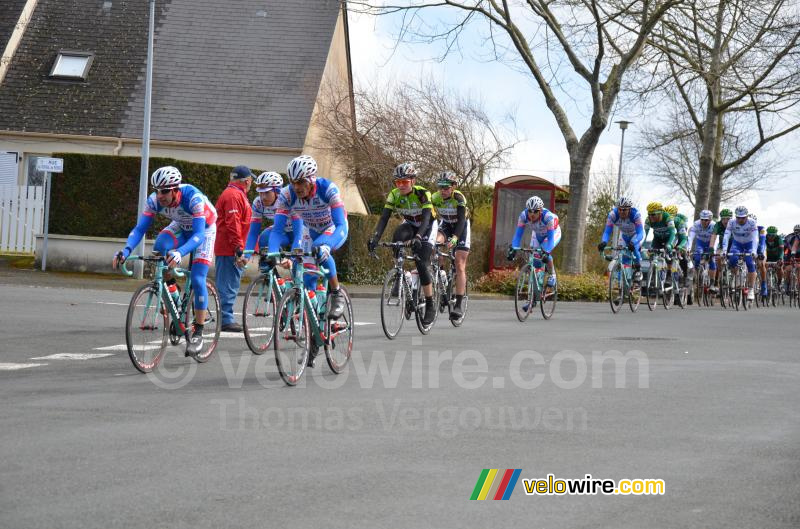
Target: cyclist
681 242
716 239
744 233
663 227
413 203
314 204
631 232
774 246
791 250
761 253
451 207
702 231
545 234
192 229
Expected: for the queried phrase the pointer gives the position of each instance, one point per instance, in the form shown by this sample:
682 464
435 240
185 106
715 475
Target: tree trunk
580 162
716 178
707 155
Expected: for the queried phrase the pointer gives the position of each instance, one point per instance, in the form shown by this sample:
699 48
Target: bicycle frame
163 293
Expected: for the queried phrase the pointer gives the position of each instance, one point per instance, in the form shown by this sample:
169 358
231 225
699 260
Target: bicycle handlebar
179 272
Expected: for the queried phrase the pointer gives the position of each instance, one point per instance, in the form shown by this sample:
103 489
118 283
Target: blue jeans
228 279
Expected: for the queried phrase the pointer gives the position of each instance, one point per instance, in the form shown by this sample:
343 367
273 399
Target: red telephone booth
510 195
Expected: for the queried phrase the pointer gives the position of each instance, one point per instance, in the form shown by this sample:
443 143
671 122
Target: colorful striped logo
496 484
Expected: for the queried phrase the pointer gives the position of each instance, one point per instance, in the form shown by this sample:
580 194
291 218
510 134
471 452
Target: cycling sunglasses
165 191
403 181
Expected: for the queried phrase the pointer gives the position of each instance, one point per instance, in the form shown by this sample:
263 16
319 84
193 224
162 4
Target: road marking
73 356
112 303
123 347
7 366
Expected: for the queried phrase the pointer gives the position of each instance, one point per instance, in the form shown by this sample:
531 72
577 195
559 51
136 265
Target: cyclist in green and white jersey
413 204
451 209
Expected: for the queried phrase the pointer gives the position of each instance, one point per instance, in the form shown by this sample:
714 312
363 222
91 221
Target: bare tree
672 149
571 48
437 129
733 65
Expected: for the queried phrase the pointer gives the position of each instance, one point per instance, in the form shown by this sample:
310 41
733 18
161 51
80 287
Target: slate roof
241 72
9 16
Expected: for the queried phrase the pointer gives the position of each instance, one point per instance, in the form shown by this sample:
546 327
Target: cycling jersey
700 234
261 211
316 212
681 234
631 228
762 240
545 232
788 242
447 208
745 235
410 206
774 244
191 203
664 231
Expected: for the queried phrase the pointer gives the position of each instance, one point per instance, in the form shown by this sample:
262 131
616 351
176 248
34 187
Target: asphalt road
706 400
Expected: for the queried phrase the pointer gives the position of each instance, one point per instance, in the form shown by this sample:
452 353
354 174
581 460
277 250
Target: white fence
21 217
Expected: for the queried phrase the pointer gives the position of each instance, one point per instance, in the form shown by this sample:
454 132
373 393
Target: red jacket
233 221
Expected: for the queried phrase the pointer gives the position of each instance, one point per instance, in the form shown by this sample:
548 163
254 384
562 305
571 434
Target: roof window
72 65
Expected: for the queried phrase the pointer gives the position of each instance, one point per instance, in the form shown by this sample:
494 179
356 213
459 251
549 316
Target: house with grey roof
234 81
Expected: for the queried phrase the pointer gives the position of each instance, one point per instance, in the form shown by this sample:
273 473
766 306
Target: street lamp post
622 125
148 94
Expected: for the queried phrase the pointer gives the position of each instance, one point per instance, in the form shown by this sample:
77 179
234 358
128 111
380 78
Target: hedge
583 287
97 195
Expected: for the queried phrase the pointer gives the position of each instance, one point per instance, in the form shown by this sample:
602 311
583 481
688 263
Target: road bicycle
774 287
702 282
621 285
157 317
659 282
259 305
402 295
737 287
302 324
534 286
446 278
790 280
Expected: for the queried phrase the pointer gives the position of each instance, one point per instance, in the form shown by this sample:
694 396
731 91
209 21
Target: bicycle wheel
682 292
616 288
549 297
292 340
701 278
339 335
737 293
652 290
634 289
213 323
523 297
393 306
146 329
258 314
464 306
420 312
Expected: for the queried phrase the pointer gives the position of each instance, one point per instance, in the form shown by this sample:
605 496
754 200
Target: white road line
73 356
123 347
7 366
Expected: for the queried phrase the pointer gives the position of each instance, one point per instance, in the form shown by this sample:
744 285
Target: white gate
21 217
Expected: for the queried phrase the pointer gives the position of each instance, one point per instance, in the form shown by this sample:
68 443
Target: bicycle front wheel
393 303
547 301
634 289
146 329
339 335
420 312
523 296
652 289
258 310
292 338
616 288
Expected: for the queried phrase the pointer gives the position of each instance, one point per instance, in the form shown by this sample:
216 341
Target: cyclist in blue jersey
314 203
744 234
631 232
268 186
545 234
701 232
193 229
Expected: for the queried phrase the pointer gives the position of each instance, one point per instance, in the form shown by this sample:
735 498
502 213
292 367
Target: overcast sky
504 90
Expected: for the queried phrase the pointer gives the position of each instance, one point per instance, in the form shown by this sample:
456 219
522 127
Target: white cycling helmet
624 202
268 181
752 216
741 211
166 177
404 170
302 168
706 214
796 227
534 204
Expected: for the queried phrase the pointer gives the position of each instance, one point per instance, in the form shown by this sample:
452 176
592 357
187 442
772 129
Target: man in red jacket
233 223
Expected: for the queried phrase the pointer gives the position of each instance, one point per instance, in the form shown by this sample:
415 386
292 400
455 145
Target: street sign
50 165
